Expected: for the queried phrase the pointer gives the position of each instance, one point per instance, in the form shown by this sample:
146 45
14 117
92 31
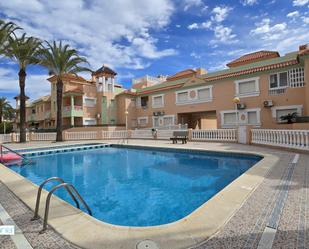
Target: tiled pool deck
243 230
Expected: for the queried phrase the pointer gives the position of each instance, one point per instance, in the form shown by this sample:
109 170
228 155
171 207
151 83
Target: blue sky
138 37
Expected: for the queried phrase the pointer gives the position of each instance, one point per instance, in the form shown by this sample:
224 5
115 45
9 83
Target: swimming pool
140 187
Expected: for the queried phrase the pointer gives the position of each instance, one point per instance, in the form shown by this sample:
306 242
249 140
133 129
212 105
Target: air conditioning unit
268 103
241 106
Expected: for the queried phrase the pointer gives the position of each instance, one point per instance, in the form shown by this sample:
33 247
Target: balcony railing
47 115
75 111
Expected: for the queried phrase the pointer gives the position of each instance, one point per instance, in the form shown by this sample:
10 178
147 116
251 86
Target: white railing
141 134
215 135
16 137
282 138
114 134
81 135
5 138
43 136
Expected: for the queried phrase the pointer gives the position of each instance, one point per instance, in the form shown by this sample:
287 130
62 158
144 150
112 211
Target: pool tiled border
56 150
88 232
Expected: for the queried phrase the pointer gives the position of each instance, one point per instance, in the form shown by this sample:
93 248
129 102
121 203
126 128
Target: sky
154 37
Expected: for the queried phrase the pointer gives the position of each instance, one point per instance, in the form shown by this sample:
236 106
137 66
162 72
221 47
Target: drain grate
147 244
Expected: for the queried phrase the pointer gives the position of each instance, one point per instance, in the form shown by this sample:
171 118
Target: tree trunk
22 107
59 110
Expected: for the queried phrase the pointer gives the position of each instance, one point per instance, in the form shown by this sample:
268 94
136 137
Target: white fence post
228 135
298 139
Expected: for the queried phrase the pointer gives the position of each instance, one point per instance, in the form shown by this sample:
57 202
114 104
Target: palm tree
61 60
6 30
4 106
23 50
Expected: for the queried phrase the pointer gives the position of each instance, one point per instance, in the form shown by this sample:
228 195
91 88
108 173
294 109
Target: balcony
30 118
47 115
76 111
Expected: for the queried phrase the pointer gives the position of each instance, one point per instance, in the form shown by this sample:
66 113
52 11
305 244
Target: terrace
245 222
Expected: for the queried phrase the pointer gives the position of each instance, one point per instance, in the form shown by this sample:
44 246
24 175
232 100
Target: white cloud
195 55
305 19
220 13
224 34
203 25
98 27
248 2
293 14
300 2
188 4
267 32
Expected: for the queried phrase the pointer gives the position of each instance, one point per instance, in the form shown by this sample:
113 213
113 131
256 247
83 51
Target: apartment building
266 86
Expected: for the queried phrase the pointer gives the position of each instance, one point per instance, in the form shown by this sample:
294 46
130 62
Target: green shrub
8 127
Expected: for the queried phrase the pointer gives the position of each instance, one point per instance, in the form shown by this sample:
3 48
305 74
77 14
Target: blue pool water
137 187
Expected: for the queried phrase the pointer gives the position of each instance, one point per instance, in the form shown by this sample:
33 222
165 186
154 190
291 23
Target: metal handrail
38 197
66 185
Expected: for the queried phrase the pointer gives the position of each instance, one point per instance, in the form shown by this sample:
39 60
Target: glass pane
203 93
167 121
229 118
252 118
280 113
157 100
156 122
284 79
247 87
273 81
182 97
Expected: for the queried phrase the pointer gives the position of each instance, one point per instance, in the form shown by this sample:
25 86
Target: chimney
303 47
200 71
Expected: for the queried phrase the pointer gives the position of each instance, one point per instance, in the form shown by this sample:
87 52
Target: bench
179 136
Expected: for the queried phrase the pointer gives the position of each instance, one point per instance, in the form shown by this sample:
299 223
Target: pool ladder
62 184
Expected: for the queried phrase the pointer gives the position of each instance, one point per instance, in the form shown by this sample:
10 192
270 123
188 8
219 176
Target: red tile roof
184 73
253 57
68 77
253 70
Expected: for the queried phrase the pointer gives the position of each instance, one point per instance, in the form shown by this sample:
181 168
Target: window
157 101
144 101
168 120
155 121
182 97
90 102
138 102
252 117
245 117
90 121
279 111
33 111
203 93
247 87
142 121
279 80
297 77
229 118
194 95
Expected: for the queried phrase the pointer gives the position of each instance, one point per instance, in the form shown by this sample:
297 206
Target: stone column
306 107
72 110
113 84
104 83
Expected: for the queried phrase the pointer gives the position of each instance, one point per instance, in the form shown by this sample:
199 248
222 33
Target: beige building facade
267 87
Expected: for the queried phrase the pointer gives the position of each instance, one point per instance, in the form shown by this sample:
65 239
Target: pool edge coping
81 229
